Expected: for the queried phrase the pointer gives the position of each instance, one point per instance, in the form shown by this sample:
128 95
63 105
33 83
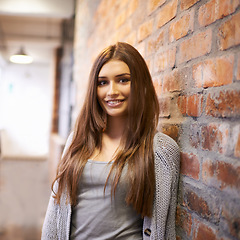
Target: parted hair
136 148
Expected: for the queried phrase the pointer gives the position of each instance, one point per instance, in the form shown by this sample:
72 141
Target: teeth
114 101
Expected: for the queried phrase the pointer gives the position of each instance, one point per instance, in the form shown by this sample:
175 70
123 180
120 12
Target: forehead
114 67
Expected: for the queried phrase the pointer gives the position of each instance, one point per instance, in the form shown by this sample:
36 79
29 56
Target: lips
114 102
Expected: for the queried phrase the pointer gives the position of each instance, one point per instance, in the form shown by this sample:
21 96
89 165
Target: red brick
154 4
149 63
164 106
111 4
231 216
157 82
223 104
132 7
214 72
238 68
181 27
155 43
190 165
102 9
197 204
182 104
207 14
167 13
221 174
228 175
203 232
141 48
185 4
138 17
215 137
132 38
229 32
224 238
122 33
173 81
197 201
208 171
120 19
198 45
101 27
145 30
184 220
216 9
227 7
165 60
195 105
236 134
120 4
125 30
237 147
170 130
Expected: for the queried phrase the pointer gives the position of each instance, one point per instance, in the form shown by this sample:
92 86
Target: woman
118 177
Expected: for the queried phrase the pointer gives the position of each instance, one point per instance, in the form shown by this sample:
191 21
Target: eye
101 82
124 80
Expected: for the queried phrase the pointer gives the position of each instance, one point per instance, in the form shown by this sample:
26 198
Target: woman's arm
161 226
171 220
56 214
49 229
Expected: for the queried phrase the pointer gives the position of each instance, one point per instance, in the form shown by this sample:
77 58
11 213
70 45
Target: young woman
118 176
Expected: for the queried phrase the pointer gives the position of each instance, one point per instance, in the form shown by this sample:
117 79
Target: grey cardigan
161 226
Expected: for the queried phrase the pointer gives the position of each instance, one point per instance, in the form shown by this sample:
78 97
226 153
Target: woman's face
114 87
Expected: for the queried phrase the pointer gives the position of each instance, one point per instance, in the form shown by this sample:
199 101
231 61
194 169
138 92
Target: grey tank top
97 216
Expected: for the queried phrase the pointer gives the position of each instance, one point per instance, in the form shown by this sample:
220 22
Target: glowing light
21 58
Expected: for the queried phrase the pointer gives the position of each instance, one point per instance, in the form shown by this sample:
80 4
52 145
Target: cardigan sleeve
55 223
161 226
49 229
170 225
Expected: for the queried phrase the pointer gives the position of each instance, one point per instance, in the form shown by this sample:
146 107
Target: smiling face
114 87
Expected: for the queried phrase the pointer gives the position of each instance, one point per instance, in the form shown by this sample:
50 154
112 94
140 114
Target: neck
111 139
115 127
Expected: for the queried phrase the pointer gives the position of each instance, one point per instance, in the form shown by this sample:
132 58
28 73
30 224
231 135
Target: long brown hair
136 150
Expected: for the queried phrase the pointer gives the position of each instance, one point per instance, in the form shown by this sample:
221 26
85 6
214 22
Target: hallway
24 194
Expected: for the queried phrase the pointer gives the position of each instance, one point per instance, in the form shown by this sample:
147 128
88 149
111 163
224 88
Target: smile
114 103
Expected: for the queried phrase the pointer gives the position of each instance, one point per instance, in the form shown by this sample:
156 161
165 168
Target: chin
117 114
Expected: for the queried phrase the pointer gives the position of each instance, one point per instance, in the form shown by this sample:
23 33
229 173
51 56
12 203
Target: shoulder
166 150
70 138
68 143
163 141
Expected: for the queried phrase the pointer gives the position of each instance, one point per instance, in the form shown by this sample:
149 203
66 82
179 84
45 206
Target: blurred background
192 49
31 128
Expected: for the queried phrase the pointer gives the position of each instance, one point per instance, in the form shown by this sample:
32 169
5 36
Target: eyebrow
119 75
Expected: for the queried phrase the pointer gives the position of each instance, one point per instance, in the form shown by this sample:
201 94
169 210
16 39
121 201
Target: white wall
53 8
25 110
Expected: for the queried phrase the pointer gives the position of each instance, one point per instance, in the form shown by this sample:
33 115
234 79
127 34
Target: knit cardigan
161 226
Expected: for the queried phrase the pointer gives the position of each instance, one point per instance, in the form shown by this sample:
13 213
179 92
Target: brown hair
136 149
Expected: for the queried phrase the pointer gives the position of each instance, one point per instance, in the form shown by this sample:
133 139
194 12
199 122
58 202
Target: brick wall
192 50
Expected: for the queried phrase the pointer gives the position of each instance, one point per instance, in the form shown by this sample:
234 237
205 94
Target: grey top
97 216
161 226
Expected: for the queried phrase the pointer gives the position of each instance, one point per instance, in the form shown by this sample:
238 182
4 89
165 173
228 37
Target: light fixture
21 57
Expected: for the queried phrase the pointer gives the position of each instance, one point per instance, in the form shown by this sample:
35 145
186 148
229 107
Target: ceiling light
21 57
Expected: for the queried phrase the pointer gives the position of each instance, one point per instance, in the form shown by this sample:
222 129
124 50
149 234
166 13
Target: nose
113 89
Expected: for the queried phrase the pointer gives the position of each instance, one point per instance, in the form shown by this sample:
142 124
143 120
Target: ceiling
34 25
